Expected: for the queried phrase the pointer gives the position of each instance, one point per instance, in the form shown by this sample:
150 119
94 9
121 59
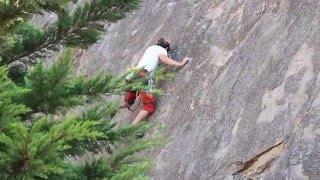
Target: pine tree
42 136
79 28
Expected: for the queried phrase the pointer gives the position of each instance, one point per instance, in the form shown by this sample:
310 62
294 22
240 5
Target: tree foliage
79 28
39 147
55 124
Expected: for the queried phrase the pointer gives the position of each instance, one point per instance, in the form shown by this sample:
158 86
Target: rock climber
151 59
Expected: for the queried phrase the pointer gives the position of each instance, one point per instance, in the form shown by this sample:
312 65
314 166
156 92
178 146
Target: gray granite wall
248 104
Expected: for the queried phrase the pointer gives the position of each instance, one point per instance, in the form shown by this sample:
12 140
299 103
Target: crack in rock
260 162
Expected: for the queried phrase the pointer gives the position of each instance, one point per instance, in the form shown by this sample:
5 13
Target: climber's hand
184 61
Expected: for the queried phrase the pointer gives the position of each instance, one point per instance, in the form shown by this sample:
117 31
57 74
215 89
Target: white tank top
150 58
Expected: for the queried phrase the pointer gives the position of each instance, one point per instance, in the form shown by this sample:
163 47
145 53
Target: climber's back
150 58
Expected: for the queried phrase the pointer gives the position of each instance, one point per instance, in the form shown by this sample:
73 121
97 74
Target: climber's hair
163 43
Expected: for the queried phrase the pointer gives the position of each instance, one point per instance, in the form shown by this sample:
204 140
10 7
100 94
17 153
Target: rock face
248 104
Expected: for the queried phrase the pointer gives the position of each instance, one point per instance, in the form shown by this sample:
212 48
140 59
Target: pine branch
133 171
12 11
82 28
90 169
123 165
134 147
57 87
38 151
103 113
23 36
9 110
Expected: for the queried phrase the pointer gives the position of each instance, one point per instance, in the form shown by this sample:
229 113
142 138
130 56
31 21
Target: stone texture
248 104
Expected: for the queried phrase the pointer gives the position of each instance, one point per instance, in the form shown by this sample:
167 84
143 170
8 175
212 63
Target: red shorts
147 99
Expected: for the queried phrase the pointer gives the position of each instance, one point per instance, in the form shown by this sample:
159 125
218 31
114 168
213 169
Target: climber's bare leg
142 115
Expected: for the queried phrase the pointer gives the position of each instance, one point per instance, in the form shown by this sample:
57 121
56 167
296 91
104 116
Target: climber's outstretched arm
168 61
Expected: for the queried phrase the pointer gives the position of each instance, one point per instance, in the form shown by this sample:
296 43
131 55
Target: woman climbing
150 61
